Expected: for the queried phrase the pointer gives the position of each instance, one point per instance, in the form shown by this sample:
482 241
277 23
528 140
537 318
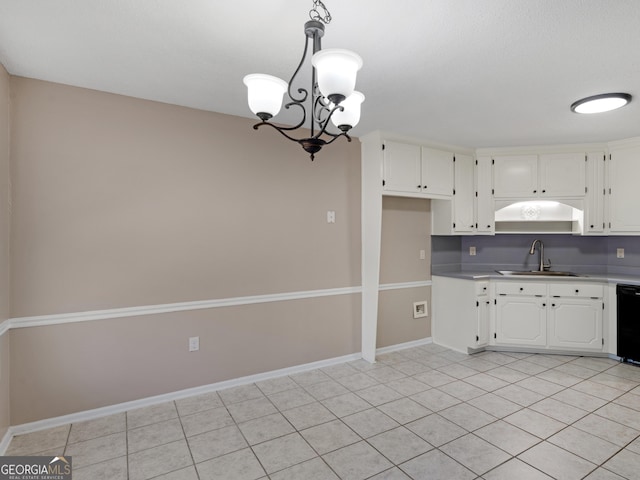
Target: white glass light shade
601 103
351 113
265 93
336 69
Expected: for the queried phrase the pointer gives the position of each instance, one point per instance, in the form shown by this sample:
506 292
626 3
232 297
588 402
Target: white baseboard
402 346
6 440
167 397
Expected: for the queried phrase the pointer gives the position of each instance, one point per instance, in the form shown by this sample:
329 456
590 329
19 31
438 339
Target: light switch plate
472 251
620 252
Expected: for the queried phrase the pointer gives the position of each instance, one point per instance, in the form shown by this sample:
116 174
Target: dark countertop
612 278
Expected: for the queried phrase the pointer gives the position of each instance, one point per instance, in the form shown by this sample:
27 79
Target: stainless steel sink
537 273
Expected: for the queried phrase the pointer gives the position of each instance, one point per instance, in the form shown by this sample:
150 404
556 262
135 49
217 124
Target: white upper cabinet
515 176
562 175
555 175
457 217
485 208
594 222
463 205
437 172
402 168
624 171
412 169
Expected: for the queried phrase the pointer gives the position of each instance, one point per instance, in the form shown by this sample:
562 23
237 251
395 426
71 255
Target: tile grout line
186 439
452 361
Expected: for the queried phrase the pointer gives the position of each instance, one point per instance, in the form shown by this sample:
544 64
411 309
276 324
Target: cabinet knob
419 186
488 226
553 304
521 288
535 191
424 186
591 226
577 291
544 304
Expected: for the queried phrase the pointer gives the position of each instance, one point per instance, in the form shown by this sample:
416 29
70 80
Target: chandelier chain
315 14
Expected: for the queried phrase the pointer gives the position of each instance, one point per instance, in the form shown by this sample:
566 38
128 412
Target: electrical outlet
331 216
420 309
194 344
472 251
620 253
423 254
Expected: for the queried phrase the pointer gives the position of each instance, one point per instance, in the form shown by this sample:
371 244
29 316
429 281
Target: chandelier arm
337 136
319 108
279 129
295 74
304 115
326 123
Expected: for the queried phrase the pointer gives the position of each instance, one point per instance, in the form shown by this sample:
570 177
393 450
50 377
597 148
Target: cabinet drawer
575 290
521 288
482 288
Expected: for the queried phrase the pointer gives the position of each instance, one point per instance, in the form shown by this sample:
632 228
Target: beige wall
406 229
4 246
123 202
80 366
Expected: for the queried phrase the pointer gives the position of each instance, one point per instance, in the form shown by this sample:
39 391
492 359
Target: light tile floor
420 413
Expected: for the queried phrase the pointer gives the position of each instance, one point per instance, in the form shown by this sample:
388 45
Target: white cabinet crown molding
542 149
417 141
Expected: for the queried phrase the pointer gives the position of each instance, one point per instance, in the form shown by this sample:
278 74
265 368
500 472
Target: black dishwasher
628 322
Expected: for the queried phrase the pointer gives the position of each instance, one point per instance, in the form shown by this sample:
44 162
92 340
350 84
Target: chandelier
333 96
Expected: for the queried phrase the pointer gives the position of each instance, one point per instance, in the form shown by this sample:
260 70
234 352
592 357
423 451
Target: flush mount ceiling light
601 103
333 98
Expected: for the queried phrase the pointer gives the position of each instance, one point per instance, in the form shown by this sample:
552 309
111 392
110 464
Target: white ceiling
474 73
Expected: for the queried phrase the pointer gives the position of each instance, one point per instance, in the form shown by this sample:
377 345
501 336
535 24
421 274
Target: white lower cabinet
483 314
460 313
521 320
575 316
560 316
575 324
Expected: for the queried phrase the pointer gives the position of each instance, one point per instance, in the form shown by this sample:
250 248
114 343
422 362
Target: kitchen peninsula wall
511 252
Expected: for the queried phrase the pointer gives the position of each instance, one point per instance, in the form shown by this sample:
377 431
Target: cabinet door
624 171
562 175
463 217
594 204
575 324
482 318
515 176
485 209
437 172
402 167
521 321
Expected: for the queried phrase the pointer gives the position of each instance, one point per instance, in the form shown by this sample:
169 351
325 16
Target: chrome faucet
532 250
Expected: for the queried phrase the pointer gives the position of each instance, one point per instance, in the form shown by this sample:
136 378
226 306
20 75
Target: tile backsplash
566 252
